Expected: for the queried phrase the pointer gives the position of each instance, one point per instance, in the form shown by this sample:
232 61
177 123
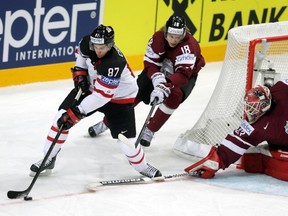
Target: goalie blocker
268 160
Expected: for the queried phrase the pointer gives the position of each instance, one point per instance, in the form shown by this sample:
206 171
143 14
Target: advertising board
43 32
38 37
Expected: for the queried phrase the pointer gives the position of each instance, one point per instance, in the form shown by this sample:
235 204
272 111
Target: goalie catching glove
69 118
80 78
208 166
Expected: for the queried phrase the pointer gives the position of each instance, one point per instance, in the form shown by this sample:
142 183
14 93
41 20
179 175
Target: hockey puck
27 198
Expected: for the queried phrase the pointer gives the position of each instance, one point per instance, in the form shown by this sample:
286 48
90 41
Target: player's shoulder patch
285 81
246 127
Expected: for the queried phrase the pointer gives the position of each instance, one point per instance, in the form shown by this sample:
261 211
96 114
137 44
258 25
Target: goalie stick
19 194
132 181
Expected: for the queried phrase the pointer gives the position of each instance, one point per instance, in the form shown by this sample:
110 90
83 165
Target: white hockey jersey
111 79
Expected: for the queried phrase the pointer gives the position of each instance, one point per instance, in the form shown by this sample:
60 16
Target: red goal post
255 54
252 47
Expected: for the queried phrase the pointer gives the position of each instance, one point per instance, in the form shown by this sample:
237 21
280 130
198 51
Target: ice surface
26 114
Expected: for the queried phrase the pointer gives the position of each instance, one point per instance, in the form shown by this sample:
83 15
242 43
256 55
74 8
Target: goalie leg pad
274 164
253 163
277 165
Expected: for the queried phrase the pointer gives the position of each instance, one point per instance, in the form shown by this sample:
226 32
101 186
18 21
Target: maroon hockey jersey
178 64
272 128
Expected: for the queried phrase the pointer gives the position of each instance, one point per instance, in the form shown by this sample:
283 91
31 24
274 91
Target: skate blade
43 173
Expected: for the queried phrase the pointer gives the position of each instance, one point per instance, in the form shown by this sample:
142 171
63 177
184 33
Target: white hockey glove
158 78
160 92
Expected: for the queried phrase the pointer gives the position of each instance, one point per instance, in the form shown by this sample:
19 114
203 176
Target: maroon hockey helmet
257 102
102 35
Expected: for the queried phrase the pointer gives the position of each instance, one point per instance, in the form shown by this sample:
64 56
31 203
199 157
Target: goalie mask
102 35
257 103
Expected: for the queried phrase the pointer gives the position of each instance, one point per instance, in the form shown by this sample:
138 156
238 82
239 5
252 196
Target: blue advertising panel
37 32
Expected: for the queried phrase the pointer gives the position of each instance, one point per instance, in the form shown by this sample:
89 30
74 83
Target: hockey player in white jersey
109 86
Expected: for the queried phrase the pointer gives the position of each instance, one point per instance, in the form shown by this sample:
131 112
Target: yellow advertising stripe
24 75
214 53
42 73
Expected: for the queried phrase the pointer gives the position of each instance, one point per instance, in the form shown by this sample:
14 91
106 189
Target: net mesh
224 111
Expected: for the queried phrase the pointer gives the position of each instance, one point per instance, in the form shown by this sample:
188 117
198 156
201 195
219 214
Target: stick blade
93 187
16 194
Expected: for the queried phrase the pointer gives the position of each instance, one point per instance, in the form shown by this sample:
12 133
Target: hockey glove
160 92
71 117
80 78
158 78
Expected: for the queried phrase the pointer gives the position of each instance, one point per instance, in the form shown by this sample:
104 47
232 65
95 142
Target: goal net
255 54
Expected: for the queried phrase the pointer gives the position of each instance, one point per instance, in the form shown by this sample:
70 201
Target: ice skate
146 137
45 170
152 172
208 166
97 129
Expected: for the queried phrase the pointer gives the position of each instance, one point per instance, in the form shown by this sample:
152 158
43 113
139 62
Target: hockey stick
146 122
132 181
25 193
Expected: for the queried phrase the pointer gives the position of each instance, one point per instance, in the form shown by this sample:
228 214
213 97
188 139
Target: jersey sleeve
235 144
81 62
154 52
244 137
105 85
82 53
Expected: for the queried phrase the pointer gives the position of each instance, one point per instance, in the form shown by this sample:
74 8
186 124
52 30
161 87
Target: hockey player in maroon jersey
262 139
109 86
171 65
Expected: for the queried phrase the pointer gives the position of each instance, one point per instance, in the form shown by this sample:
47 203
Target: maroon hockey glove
71 117
80 78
